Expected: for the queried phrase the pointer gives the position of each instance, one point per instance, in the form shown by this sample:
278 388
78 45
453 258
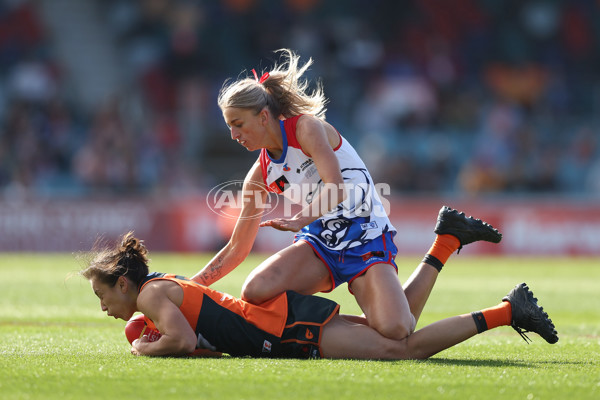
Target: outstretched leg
341 338
344 339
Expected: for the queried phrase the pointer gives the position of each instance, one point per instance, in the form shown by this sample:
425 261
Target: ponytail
281 90
128 258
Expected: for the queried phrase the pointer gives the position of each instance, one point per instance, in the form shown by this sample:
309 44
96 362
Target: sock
434 262
441 249
493 317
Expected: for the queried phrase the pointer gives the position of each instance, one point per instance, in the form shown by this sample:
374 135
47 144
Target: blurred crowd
439 97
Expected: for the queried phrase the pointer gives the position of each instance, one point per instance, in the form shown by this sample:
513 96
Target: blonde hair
127 258
283 92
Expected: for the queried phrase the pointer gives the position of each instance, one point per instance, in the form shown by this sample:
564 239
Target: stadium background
109 122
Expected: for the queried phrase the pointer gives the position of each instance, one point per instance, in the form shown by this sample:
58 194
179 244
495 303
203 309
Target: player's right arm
244 233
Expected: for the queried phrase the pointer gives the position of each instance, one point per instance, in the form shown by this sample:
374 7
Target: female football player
344 233
191 316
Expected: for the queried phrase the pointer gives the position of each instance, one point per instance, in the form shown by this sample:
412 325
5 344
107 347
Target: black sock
480 321
434 262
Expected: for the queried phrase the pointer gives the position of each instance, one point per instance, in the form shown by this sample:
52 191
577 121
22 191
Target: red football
136 327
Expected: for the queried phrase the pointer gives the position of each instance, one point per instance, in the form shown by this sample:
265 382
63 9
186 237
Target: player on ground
344 234
190 316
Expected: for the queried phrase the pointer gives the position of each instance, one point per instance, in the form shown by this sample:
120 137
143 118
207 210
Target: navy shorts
307 315
345 266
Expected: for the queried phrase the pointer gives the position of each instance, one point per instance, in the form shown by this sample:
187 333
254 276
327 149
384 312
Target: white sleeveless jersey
355 221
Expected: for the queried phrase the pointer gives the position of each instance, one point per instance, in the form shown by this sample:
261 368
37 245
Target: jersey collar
285 146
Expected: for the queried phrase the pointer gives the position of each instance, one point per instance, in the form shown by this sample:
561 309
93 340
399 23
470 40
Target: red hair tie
262 79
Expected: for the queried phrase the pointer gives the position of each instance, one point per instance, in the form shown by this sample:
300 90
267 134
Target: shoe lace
522 332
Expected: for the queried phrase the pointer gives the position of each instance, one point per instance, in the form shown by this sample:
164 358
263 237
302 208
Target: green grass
55 343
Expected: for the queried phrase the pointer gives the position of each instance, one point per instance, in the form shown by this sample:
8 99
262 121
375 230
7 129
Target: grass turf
57 344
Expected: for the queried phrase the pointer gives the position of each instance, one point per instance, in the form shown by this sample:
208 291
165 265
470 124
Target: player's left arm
178 338
312 137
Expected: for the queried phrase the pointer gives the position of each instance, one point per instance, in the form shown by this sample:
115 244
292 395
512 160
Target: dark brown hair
127 258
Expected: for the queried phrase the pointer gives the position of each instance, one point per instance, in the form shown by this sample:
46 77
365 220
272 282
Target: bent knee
256 293
396 330
250 293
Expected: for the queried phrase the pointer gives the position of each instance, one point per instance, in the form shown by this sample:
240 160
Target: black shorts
307 315
233 334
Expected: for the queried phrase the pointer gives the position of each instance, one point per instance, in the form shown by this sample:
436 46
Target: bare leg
421 282
418 288
380 296
441 335
356 319
294 268
344 339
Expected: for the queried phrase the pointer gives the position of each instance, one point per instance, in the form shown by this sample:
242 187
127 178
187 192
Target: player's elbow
188 348
186 345
180 345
